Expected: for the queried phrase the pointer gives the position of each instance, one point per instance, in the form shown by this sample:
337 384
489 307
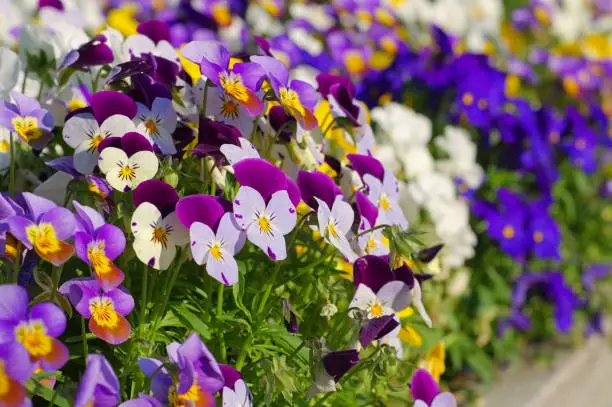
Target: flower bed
221 203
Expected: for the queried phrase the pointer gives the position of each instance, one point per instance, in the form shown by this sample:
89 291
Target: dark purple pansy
131 143
157 192
92 53
201 208
377 328
106 103
289 317
316 184
156 30
338 363
211 136
260 175
365 164
375 272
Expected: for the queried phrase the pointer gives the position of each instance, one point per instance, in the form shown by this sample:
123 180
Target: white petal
225 270
282 211
229 232
116 126
395 295
341 243
272 243
445 399
85 160
166 257
343 214
166 50
147 165
138 44
177 235
374 186
111 158
417 301
363 298
148 252
247 203
420 403
323 213
144 216
79 128
200 235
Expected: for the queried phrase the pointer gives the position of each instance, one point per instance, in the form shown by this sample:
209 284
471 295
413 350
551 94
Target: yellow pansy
434 361
123 19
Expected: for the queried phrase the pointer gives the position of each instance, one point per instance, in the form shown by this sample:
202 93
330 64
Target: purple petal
123 301
193 350
13 303
199 208
36 206
98 380
16 362
230 375
81 241
109 102
17 226
366 208
316 184
273 68
150 366
396 294
133 142
372 271
212 52
88 218
364 164
294 192
260 175
114 240
25 105
79 291
64 164
423 386
157 192
326 81
91 54
56 4
337 364
308 94
377 328
52 316
252 75
63 222
156 30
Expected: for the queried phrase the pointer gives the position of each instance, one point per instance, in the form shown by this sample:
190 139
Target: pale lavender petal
247 203
225 270
89 218
306 92
114 240
36 205
79 291
252 75
229 232
123 301
273 68
25 104
17 227
63 222
52 316
395 294
282 211
200 235
445 399
13 303
211 51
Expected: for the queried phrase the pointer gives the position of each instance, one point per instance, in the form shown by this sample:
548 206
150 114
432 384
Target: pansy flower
215 237
45 229
211 136
128 164
235 392
35 330
143 400
297 97
25 117
99 385
263 207
199 374
241 82
335 216
158 123
15 370
106 311
155 224
98 244
110 115
333 366
153 38
385 195
369 241
426 391
340 92
93 53
234 154
224 108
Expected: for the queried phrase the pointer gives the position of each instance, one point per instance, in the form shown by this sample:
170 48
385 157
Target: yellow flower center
43 238
221 14
371 245
233 86
376 310
4 146
354 62
75 104
538 237
467 99
229 109
151 126
27 128
94 142
189 398
103 312
271 7
100 263
508 232
215 251
580 144
482 104
291 100
264 223
385 204
160 235
33 336
127 172
5 381
541 15
331 229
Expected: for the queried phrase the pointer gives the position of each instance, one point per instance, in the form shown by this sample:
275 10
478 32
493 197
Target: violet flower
235 392
426 391
25 117
35 330
15 371
99 386
334 365
106 311
93 53
158 123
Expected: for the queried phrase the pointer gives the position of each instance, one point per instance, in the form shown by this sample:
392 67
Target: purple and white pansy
158 123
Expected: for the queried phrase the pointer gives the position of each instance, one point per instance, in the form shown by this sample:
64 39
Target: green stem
222 349
367 231
243 353
56 276
143 299
84 339
13 164
175 272
25 78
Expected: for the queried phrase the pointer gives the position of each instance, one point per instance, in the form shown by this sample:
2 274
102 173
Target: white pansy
139 44
158 124
125 173
10 67
462 156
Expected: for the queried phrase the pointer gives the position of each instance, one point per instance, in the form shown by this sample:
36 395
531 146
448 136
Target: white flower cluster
431 182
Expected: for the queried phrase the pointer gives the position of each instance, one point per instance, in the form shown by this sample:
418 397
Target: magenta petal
373 271
123 301
364 164
423 386
109 142
52 316
157 192
109 102
199 208
13 303
114 240
79 291
366 208
294 192
326 81
316 184
133 142
63 222
230 375
156 30
260 175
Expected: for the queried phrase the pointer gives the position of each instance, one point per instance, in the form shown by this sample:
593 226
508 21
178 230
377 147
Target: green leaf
47 393
238 291
191 320
42 279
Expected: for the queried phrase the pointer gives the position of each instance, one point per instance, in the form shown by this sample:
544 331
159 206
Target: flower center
103 312
75 104
331 229
5 381
27 128
4 146
385 204
160 235
291 100
538 237
264 223
151 127
354 62
100 263
229 109
189 398
33 336
233 86
371 245
127 172
94 142
271 7
216 252
376 310
467 99
508 232
43 238
93 187
221 14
